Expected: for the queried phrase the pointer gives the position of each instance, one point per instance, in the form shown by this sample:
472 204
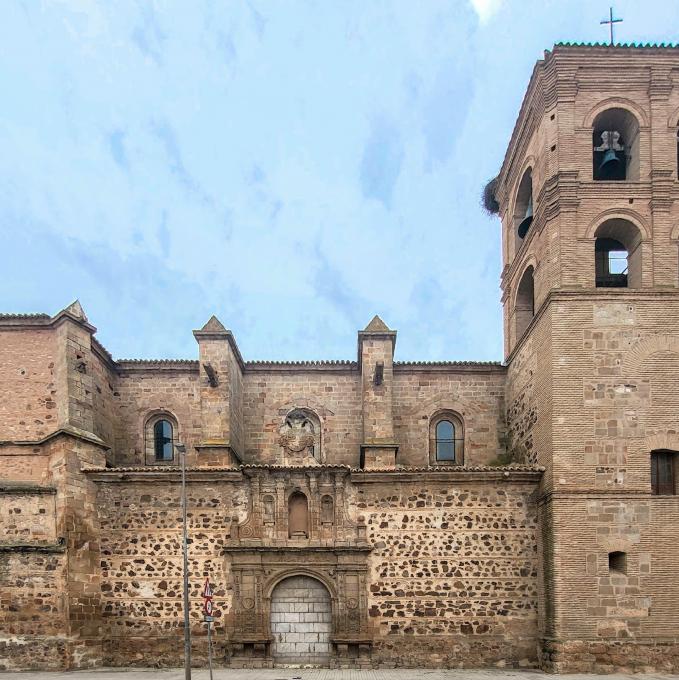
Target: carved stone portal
296 526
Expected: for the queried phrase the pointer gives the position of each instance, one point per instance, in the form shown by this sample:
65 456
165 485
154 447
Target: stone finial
214 325
377 326
76 310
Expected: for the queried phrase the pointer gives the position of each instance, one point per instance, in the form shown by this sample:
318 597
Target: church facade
372 512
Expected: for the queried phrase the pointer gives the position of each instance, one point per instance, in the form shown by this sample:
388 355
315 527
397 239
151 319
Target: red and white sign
207 594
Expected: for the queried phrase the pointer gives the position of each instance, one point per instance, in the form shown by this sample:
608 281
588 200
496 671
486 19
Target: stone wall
331 391
476 394
148 389
141 567
28 407
454 571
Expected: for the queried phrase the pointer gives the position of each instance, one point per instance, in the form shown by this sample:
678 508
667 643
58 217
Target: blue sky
293 167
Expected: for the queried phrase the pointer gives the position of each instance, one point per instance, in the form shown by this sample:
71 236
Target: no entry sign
207 595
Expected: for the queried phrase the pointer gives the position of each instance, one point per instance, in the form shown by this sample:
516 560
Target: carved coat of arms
297 433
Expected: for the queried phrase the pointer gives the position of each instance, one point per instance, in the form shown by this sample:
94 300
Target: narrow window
162 440
445 441
662 473
617 563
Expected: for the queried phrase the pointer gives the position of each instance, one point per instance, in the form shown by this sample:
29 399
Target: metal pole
181 449
209 647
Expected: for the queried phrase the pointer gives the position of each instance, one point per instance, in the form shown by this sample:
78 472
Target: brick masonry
499 560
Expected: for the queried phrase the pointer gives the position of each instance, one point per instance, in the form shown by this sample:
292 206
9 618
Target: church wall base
609 656
42 653
454 652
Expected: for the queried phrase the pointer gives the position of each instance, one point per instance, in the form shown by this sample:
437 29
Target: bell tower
588 198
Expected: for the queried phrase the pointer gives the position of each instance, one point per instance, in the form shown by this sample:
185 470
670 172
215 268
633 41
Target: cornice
68 431
296 549
47 548
20 488
459 475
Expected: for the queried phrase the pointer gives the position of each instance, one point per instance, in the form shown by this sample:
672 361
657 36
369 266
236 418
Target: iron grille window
662 473
163 440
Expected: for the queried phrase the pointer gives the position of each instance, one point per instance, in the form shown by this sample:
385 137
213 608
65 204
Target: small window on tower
617 563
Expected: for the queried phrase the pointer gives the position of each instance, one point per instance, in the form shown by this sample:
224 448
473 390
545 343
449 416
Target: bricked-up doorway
301 622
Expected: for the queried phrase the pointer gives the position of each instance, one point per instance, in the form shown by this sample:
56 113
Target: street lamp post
181 450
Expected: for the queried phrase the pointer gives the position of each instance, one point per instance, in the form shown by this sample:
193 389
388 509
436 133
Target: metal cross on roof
610 21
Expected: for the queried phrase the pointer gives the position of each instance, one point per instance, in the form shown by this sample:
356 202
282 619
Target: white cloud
486 9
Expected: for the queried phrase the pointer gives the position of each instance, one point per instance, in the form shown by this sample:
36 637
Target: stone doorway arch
301 622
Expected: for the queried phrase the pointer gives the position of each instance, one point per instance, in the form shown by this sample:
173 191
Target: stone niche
297 527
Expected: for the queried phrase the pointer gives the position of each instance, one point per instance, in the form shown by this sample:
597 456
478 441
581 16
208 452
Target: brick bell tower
588 195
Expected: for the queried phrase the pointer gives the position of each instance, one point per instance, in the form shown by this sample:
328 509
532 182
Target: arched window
615 138
446 439
617 255
163 440
524 307
523 208
298 516
160 439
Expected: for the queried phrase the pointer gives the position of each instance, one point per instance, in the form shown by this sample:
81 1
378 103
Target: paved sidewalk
311 674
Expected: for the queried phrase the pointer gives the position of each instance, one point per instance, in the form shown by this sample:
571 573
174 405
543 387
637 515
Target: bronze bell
609 162
524 226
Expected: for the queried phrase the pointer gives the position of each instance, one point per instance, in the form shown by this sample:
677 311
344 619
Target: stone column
376 359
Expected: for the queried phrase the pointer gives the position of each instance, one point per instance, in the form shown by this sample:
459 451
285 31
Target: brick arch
438 404
529 261
622 214
646 348
616 103
668 440
673 120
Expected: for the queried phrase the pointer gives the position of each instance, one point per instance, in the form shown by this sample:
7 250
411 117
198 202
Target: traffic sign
207 589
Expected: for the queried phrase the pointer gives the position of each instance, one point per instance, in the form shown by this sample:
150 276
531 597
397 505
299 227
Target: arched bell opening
617 255
615 139
523 208
524 306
